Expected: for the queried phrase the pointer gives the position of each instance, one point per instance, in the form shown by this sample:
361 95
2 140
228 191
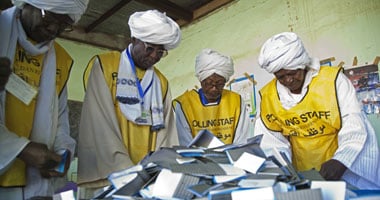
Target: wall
339 28
81 54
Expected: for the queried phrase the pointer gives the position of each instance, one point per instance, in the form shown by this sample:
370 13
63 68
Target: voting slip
232 173
223 193
201 166
205 139
21 89
64 153
283 161
330 189
129 181
309 194
202 189
173 185
250 162
163 157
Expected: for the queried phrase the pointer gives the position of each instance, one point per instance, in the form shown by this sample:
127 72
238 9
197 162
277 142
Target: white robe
357 144
51 122
101 150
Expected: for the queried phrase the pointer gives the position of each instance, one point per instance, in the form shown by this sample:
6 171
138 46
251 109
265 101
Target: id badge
20 89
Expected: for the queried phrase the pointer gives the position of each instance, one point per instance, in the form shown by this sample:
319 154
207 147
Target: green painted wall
81 54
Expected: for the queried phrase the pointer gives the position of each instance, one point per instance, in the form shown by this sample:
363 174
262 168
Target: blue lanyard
139 87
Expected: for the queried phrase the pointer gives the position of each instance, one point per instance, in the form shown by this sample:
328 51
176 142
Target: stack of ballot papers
209 169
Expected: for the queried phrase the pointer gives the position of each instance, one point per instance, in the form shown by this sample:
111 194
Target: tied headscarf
209 62
284 51
155 27
73 8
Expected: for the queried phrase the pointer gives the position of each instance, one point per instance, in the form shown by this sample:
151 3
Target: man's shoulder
109 54
231 93
160 74
60 50
187 95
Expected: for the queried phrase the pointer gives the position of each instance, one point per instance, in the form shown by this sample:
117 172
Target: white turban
209 62
155 27
73 8
283 51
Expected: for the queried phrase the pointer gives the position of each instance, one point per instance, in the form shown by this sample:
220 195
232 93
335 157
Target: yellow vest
138 139
18 116
221 119
312 125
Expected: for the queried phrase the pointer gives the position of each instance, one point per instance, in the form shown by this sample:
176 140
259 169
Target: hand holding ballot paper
49 163
61 168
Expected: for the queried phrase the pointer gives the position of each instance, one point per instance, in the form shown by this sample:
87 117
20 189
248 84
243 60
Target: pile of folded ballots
208 169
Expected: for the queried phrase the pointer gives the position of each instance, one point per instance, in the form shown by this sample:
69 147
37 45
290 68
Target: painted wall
81 54
337 28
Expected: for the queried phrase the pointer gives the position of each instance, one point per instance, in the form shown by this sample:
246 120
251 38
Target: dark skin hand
5 71
40 157
332 170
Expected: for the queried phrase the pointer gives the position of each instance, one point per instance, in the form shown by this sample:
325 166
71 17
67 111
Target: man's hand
39 156
332 170
47 173
5 71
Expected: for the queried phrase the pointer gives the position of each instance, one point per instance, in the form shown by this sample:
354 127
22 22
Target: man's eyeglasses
50 18
209 84
150 49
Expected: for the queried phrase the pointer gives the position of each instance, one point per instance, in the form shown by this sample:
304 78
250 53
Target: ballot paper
173 185
250 162
61 165
331 190
206 139
265 193
20 89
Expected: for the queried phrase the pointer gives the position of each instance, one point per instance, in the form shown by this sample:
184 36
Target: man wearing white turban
311 112
34 125
220 111
127 107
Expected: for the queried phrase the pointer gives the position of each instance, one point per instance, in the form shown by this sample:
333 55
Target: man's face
145 55
292 79
41 25
213 86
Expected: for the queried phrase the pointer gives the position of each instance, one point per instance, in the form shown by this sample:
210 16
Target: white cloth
155 27
209 61
151 111
99 128
51 125
358 149
73 8
283 51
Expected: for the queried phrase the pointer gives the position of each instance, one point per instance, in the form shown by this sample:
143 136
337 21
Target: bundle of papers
212 172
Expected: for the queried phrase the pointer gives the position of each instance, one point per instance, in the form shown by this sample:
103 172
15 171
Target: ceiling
105 22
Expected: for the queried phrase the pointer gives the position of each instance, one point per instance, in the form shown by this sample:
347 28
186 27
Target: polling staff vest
18 116
136 138
312 125
221 119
